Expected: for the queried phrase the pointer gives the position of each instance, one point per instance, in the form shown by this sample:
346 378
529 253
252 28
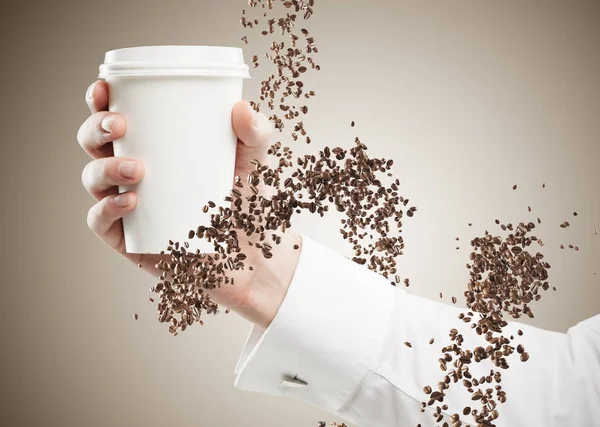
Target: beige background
469 98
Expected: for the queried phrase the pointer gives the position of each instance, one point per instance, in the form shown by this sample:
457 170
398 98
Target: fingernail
122 200
107 122
90 92
127 169
255 119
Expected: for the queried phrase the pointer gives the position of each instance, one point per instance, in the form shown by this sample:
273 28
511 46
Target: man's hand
256 294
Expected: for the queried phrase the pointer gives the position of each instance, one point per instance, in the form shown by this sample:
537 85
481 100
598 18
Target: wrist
272 280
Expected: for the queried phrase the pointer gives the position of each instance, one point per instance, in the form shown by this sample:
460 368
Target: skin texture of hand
257 294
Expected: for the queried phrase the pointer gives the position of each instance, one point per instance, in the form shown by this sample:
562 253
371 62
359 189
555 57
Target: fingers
98 131
254 132
101 175
96 96
104 218
101 127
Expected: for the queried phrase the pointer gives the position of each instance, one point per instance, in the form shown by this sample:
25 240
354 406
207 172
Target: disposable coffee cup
177 101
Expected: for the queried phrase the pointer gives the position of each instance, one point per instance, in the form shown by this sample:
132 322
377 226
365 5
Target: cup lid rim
175 60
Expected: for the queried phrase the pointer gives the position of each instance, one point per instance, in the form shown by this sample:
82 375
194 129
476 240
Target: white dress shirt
337 342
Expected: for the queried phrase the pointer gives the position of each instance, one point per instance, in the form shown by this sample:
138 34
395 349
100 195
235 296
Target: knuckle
90 134
102 210
97 214
81 135
85 175
89 92
92 217
93 174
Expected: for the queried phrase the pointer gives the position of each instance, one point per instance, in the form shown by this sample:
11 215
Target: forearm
341 329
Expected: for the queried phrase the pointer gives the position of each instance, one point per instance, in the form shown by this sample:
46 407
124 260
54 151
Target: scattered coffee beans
506 276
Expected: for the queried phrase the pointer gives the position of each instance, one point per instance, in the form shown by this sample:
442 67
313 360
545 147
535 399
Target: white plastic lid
175 61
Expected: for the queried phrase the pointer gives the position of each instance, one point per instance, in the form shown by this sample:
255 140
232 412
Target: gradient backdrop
468 97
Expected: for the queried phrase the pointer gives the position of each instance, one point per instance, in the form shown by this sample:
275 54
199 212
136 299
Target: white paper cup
177 101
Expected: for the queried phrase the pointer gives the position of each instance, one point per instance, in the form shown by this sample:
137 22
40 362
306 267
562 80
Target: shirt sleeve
337 342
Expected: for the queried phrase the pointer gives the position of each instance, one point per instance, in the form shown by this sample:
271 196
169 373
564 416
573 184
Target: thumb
254 132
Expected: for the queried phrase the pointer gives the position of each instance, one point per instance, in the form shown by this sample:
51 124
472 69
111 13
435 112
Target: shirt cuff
326 333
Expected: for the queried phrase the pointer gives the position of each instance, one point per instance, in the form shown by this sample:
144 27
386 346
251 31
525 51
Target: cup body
179 126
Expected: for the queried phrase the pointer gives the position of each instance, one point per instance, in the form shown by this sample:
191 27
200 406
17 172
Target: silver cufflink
294 382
